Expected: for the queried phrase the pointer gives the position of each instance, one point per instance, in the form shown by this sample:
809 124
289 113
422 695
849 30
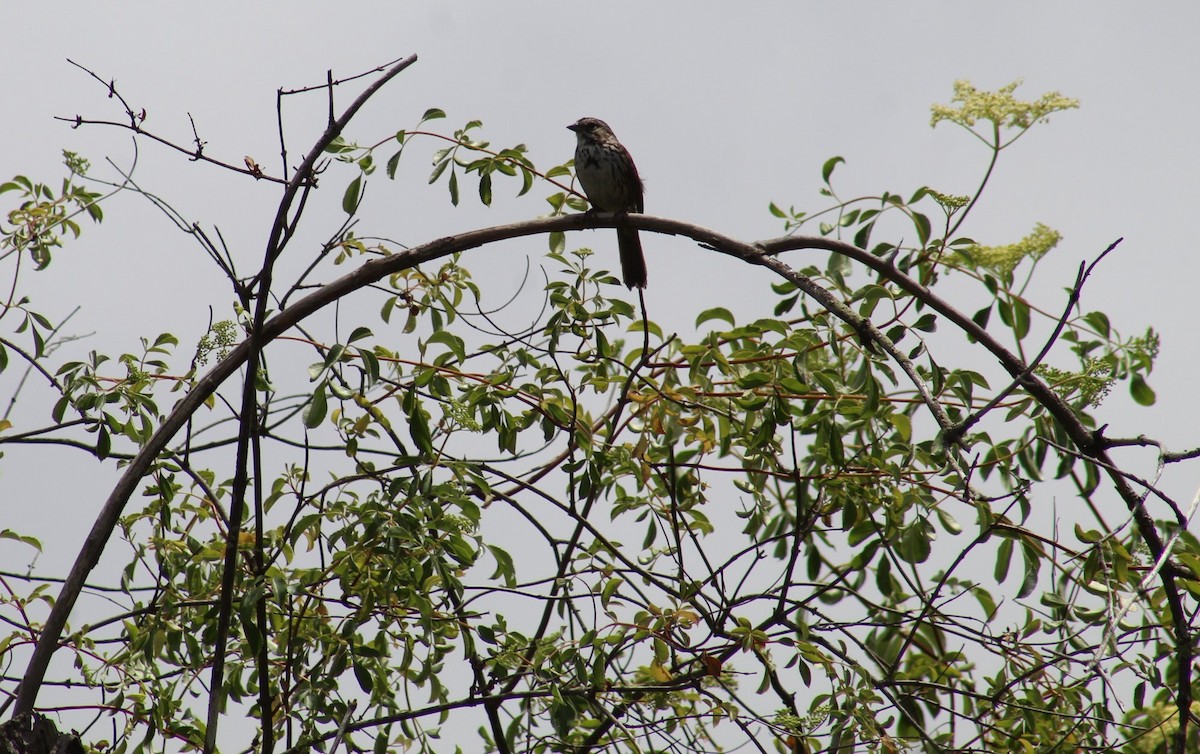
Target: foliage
822 530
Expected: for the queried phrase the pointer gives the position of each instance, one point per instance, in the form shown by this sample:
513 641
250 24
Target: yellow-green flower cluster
220 338
76 164
1000 107
1090 385
949 202
789 722
1003 259
1158 725
461 415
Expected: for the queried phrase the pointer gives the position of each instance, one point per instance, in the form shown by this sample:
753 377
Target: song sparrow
610 179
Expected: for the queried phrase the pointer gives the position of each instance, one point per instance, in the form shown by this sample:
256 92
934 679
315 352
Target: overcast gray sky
723 110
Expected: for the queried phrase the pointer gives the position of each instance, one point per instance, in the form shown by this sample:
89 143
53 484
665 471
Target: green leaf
863 237
1141 392
786 304
23 539
486 633
985 600
103 443
827 168
418 426
370 365
949 523
352 196
365 680
440 165
834 437
1089 536
1032 566
651 535
359 333
246 612
609 590
1099 322
341 391
334 354
452 342
1021 318
982 316
1003 559
884 581
916 542
504 566
338 145
718 313
60 408
317 408
923 227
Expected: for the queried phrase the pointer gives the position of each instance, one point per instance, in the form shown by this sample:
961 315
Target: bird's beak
573 127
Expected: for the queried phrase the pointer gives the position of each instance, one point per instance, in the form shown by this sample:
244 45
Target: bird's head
591 128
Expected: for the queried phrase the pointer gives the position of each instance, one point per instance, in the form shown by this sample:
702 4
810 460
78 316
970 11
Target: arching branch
377 269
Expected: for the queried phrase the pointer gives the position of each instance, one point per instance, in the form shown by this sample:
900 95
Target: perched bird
610 179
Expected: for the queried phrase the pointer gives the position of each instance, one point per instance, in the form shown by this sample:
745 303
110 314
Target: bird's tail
633 261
